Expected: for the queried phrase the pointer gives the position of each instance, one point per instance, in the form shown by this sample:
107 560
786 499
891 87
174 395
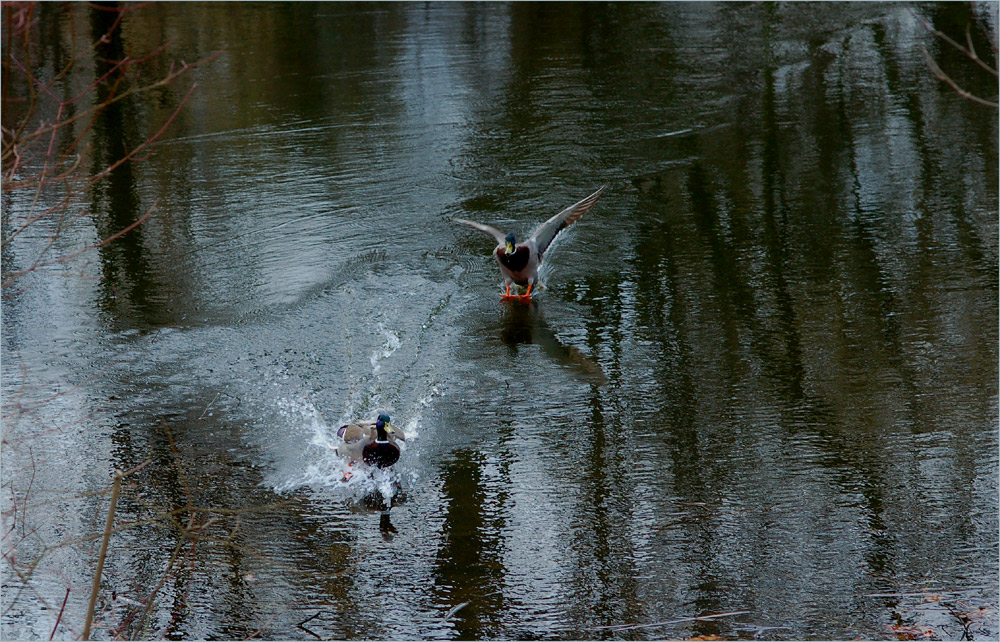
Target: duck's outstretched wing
546 232
492 231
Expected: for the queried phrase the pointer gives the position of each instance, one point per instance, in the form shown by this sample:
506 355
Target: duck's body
519 262
521 266
381 453
357 437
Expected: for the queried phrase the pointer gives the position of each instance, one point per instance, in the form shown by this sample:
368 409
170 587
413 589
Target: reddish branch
968 50
19 144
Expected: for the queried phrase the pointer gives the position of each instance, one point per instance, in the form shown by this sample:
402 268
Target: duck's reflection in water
524 323
385 525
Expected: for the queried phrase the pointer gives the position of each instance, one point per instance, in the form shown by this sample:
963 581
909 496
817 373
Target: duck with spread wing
519 262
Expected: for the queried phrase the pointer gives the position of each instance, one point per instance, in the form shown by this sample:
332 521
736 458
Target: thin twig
61 609
311 617
210 404
148 602
455 609
916 594
132 471
100 557
970 52
162 82
13 276
302 625
31 482
629 627
106 171
940 75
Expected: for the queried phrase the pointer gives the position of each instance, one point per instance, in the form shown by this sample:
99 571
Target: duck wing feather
357 431
492 231
545 233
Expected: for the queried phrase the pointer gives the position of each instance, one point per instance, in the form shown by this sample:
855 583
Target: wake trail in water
390 365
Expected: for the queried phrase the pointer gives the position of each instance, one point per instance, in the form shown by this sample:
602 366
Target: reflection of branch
13 276
11 148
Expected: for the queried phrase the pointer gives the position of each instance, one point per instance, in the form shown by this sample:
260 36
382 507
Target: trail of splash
322 470
296 410
391 344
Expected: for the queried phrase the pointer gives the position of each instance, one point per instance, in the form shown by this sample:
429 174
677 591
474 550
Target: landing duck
519 261
371 442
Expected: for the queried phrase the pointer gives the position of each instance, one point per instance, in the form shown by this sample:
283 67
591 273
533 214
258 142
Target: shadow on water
524 324
468 567
600 541
787 359
385 525
664 310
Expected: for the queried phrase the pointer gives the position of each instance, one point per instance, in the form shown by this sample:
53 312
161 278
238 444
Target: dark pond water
761 379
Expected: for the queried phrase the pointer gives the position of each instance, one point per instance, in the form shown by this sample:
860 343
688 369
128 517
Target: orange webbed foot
524 298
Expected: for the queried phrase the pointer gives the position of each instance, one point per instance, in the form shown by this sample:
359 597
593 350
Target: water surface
761 377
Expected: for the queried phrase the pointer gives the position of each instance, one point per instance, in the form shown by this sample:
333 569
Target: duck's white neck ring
379 441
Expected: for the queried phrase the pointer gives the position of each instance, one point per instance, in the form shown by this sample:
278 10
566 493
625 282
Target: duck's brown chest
514 262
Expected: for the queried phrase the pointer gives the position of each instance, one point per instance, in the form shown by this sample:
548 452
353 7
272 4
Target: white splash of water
323 471
299 411
410 428
391 344
329 474
326 470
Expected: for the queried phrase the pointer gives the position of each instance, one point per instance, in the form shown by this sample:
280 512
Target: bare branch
969 51
943 77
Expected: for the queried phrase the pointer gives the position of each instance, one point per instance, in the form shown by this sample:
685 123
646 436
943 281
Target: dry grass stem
100 556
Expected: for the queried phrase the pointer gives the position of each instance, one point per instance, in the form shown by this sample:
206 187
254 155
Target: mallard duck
519 261
371 442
